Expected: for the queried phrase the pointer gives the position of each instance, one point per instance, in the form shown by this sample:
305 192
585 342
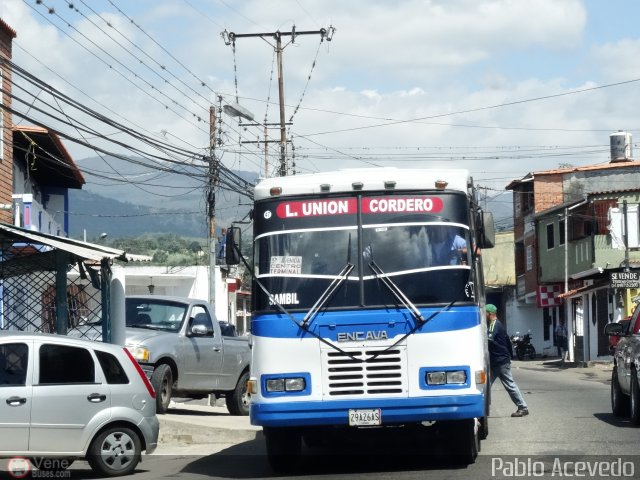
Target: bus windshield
425 256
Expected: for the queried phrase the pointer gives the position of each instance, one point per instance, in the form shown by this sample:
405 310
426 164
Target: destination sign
314 208
402 205
625 280
349 206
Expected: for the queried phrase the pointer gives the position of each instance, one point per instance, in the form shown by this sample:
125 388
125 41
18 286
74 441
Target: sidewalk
559 363
193 428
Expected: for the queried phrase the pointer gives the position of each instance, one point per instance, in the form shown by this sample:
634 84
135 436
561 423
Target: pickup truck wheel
619 401
238 401
635 398
162 382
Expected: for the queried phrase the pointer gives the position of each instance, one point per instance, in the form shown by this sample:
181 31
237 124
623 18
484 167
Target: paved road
570 415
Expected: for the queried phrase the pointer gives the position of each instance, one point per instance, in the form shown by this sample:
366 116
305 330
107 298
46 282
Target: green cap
491 308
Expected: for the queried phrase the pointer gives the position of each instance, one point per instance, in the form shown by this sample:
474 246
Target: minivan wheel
162 382
115 451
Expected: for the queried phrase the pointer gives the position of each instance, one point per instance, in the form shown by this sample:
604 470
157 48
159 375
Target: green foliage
165 249
160 257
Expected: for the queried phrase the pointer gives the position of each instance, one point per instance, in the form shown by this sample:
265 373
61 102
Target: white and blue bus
368 306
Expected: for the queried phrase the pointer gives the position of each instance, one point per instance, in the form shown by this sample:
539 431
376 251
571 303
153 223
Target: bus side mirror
232 250
486 231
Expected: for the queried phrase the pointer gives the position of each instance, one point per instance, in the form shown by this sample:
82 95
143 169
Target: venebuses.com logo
18 467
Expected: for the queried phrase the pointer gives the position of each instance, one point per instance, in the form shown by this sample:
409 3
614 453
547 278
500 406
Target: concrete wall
524 318
618 177
46 219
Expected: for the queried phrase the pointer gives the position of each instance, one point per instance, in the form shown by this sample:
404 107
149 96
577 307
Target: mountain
153 202
149 202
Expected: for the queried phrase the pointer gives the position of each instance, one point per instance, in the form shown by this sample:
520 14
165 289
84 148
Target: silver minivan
63 399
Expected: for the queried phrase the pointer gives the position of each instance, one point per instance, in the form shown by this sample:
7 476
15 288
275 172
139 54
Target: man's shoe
521 412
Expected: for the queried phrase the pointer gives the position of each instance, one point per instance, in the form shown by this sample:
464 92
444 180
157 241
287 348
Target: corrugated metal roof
587 168
84 250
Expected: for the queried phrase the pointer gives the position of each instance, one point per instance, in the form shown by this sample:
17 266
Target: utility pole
230 37
211 204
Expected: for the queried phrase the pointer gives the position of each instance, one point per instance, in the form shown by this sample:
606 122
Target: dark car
227 329
625 379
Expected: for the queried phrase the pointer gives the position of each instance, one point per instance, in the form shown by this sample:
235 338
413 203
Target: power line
230 39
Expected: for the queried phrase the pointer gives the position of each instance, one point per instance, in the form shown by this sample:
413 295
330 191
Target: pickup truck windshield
154 315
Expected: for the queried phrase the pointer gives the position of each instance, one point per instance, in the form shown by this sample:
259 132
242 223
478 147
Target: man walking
561 338
500 353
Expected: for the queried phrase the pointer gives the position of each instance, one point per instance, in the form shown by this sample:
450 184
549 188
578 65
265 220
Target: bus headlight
436 378
446 377
457 376
275 385
285 384
294 384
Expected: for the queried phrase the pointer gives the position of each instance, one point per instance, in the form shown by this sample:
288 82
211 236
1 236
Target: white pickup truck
179 344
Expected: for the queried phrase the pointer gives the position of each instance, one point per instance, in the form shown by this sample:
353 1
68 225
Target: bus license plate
359 418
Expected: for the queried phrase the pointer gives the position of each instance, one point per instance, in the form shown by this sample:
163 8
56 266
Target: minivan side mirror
233 241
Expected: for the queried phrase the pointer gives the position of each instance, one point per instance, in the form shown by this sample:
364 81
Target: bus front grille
365 372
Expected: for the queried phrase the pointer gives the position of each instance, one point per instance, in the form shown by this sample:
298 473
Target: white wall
49 220
524 318
191 282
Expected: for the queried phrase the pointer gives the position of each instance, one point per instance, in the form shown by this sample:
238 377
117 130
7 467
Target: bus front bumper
394 411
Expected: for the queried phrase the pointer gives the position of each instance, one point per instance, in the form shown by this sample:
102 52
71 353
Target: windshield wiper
397 292
322 300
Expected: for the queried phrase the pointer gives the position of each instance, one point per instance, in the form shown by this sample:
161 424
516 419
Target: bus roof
371 179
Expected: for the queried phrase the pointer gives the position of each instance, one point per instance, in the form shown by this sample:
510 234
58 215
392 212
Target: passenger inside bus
447 247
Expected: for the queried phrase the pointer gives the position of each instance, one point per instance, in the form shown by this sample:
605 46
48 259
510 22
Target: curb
196 423
174 432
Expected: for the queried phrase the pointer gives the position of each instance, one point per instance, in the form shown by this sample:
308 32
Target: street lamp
235 110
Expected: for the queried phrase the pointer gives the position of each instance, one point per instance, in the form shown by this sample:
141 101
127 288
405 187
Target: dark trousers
561 343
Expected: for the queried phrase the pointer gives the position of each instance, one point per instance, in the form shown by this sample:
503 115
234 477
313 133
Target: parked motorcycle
522 346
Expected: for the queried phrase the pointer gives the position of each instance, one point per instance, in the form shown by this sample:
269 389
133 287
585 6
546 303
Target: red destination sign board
348 206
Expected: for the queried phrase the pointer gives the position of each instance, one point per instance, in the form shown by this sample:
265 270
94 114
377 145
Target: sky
500 87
